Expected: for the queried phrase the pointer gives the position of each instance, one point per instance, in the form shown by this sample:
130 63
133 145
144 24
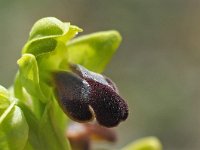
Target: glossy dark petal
72 95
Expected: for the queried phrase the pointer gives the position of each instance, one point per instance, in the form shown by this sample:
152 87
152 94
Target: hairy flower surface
84 95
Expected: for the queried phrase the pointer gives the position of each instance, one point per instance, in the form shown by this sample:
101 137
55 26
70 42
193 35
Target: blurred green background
157 67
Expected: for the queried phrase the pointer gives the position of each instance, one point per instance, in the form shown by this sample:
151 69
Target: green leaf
148 143
93 51
13 129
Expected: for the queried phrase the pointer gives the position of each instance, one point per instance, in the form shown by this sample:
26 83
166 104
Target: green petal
47 33
29 76
148 143
93 51
48 27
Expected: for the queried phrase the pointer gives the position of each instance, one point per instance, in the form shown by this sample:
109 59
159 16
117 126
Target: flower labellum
73 93
84 94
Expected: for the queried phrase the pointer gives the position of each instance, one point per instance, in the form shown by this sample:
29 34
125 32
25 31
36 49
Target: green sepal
93 51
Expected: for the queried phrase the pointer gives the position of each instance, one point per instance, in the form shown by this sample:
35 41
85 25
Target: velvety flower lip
84 94
72 93
108 106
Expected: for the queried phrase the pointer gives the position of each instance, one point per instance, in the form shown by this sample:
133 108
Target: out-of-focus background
157 67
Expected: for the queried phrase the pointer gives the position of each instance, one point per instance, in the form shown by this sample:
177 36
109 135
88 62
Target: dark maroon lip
84 95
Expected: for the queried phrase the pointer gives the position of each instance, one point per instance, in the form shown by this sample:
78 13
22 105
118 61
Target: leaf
13 129
148 143
93 51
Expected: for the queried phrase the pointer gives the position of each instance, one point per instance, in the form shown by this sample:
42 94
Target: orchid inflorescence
60 78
